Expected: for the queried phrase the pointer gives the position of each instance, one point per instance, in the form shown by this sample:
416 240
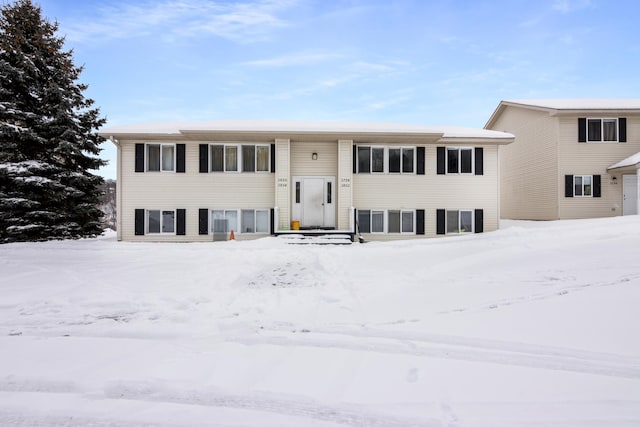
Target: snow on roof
629 161
581 103
170 128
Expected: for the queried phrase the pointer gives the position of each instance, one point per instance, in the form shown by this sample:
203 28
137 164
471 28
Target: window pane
297 191
153 221
248 158
610 127
465 221
153 157
231 158
248 221
329 195
407 160
167 221
594 129
218 223
232 220
452 160
394 221
167 157
262 154
586 183
407 222
217 158
452 221
377 222
577 186
377 160
364 159
262 221
465 160
394 160
363 221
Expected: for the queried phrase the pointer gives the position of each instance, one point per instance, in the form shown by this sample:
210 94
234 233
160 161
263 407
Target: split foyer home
200 181
572 158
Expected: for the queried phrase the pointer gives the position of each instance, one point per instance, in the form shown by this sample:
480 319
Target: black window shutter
582 129
273 158
181 222
203 221
204 158
139 157
180 149
568 186
440 221
622 129
596 185
273 221
420 152
139 222
420 221
355 158
479 221
441 154
479 160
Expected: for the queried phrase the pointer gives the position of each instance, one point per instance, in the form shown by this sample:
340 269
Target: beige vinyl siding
344 184
303 165
593 158
528 166
191 191
283 184
431 192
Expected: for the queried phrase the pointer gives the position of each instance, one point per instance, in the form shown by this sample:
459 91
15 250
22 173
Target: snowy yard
537 324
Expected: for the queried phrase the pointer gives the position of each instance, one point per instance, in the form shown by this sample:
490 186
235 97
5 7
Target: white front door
313 201
629 194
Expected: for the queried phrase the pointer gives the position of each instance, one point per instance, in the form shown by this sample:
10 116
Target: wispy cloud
568 6
240 21
295 59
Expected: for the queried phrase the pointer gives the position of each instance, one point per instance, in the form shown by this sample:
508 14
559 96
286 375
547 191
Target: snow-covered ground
537 324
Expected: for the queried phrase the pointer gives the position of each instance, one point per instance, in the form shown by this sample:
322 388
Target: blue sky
441 62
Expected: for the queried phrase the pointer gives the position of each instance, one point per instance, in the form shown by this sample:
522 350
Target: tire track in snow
457 348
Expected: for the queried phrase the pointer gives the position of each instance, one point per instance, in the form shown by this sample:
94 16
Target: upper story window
459 160
239 158
604 129
371 159
160 157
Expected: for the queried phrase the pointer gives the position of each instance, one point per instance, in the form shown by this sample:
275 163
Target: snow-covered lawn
537 324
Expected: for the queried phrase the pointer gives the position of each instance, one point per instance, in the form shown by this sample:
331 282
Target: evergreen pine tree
48 134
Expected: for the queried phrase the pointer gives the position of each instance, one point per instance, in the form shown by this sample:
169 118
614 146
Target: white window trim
574 185
385 224
446 221
460 149
153 233
239 165
237 211
162 145
601 140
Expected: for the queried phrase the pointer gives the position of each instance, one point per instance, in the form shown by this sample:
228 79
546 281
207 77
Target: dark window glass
377 160
452 160
364 159
167 221
364 218
297 191
407 160
594 128
154 221
153 157
248 158
577 180
231 158
452 222
377 221
394 160
407 222
329 192
465 160
217 158
248 221
393 221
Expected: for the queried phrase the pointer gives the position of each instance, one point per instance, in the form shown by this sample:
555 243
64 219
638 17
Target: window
251 158
162 222
255 221
397 221
459 160
602 130
223 221
160 157
459 221
396 159
582 185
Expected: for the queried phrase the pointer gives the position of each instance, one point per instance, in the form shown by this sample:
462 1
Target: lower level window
582 185
459 221
391 221
240 220
224 221
159 221
255 221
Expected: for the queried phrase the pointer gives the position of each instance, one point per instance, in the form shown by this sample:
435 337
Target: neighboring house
199 181
572 158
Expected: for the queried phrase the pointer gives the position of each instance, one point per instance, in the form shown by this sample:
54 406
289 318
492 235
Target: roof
569 105
302 127
629 161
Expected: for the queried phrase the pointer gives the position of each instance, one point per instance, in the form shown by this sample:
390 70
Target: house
200 181
572 158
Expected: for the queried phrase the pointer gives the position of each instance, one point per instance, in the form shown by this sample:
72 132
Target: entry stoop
316 237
